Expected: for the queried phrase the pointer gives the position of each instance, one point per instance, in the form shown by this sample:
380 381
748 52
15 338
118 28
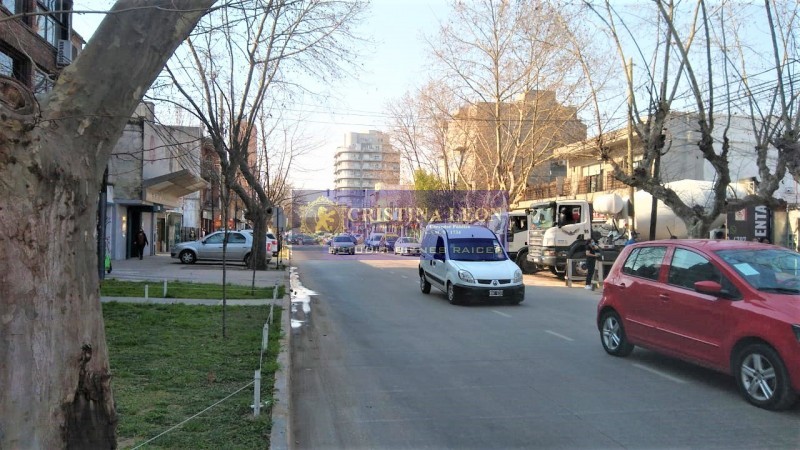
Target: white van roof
456 230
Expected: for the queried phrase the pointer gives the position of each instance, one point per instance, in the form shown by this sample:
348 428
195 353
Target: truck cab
556 231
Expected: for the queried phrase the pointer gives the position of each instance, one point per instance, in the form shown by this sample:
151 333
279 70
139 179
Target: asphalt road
377 364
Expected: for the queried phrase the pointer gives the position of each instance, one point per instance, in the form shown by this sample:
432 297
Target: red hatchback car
732 306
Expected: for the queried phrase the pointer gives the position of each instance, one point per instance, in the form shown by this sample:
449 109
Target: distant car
210 248
387 243
406 246
373 242
342 245
728 305
308 240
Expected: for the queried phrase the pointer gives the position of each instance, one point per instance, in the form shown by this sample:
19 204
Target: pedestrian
592 253
140 242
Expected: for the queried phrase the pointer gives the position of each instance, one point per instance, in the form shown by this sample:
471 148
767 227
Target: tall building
531 126
35 47
364 160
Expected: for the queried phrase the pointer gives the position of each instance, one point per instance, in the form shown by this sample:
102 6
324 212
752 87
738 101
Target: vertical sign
751 223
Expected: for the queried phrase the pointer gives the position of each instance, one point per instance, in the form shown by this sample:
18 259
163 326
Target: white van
467 262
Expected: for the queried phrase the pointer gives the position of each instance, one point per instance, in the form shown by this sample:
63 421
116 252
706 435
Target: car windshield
407 240
475 249
766 269
542 217
391 238
342 239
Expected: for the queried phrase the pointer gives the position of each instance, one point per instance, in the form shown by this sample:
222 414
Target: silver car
342 244
210 248
406 246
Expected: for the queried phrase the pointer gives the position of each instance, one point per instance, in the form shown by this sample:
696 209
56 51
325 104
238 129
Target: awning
175 184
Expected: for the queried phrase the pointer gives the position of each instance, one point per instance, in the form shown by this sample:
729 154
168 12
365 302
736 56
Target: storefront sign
751 223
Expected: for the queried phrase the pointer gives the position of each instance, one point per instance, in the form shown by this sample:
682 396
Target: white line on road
559 335
501 313
659 373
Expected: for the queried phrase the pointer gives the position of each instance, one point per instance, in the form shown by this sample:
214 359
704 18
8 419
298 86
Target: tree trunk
55 373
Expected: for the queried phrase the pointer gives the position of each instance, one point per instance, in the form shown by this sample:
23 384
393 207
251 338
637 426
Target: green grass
181 289
170 362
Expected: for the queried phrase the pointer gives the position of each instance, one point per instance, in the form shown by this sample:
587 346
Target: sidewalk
162 267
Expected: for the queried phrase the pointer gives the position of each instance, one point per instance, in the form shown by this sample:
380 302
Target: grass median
170 362
182 289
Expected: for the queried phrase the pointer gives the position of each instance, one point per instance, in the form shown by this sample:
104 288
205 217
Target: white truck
512 230
558 230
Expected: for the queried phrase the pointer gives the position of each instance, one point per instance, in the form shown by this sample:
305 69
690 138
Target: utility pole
632 212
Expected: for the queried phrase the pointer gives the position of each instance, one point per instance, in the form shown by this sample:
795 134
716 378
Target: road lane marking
559 335
659 373
501 313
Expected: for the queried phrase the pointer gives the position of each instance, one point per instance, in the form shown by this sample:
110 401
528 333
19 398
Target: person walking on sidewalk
140 241
592 253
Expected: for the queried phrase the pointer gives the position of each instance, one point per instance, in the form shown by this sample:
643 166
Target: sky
389 68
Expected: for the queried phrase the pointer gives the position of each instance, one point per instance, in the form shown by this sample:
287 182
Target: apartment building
531 126
34 48
365 160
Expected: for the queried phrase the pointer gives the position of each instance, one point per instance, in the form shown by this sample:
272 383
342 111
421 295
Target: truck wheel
579 268
560 275
522 261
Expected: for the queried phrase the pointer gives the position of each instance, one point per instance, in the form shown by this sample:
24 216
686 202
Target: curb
280 437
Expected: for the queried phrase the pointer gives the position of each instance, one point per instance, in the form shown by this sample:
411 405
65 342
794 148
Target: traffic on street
379 364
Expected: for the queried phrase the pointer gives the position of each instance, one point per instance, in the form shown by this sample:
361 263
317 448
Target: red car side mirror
708 287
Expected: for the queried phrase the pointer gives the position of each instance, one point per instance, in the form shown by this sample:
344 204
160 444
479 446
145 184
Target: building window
10 5
595 182
42 82
6 65
50 24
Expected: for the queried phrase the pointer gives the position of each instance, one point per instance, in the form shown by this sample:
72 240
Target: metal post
164 295
569 273
257 393
146 291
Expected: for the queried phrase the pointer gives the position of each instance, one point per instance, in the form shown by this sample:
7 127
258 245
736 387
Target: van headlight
466 276
517 276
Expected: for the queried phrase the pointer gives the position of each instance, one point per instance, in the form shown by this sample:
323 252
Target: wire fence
256 382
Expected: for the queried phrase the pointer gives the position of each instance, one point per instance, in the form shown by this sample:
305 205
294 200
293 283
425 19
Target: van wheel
451 294
762 378
424 286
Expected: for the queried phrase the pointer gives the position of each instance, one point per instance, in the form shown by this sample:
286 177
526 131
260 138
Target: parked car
272 242
468 262
210 248
373 242
342 244
732 306
308 240
406 246
387 242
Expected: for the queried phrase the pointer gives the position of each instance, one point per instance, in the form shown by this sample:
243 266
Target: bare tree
237 66
419 124
504 62
685 64
55 372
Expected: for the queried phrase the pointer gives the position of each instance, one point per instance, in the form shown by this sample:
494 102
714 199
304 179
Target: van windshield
475 249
